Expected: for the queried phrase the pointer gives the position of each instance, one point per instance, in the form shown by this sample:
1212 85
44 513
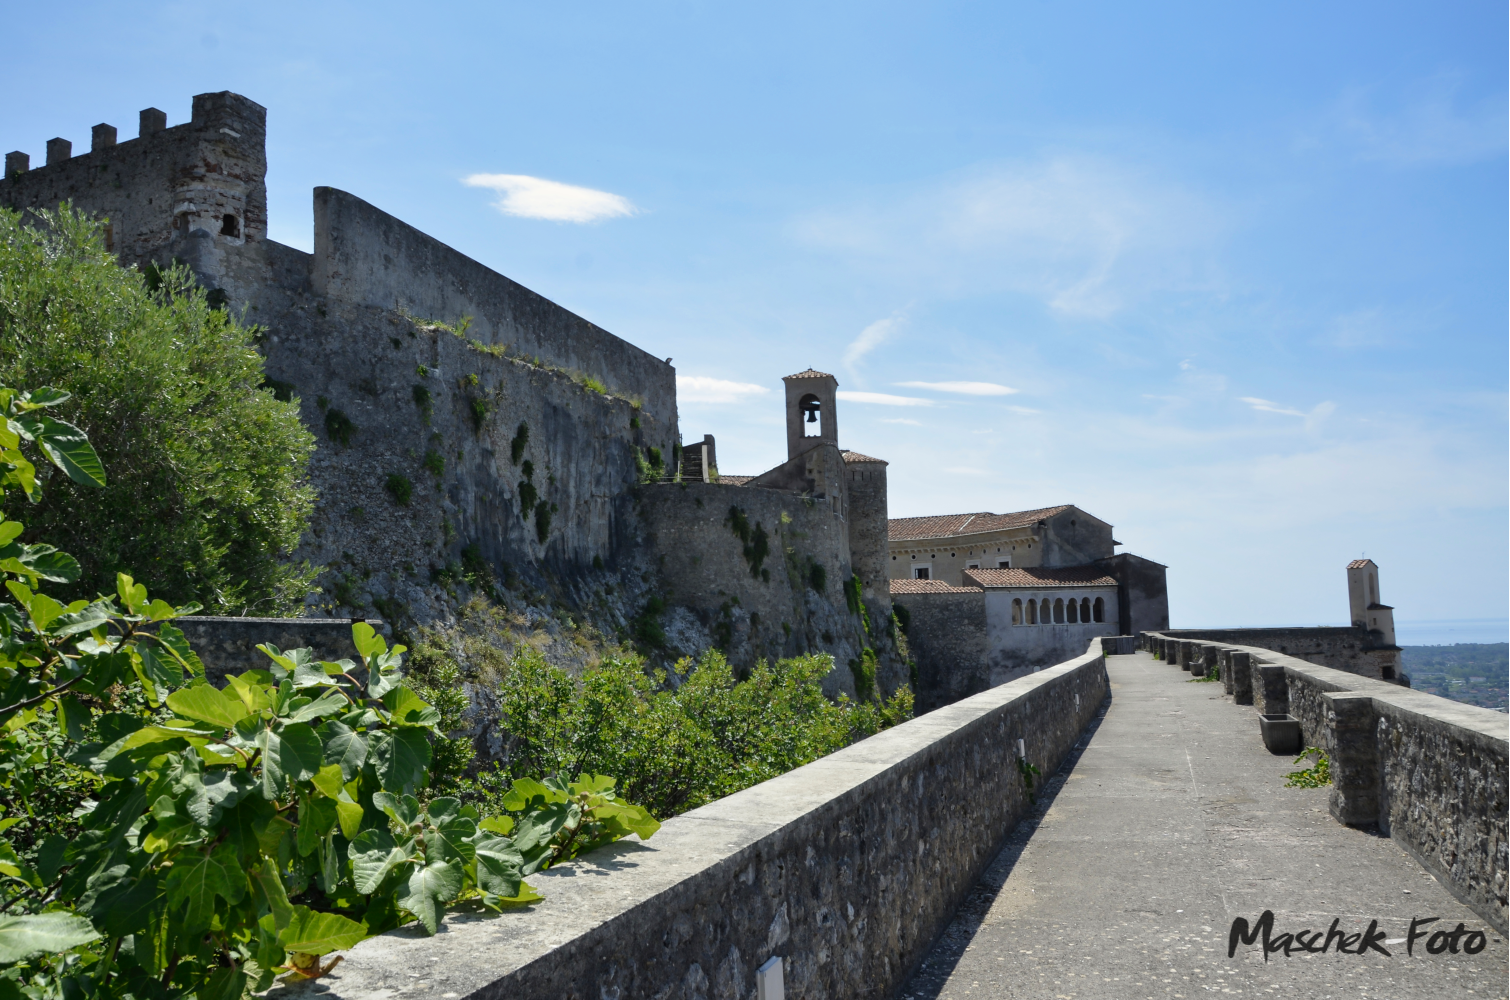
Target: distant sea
1447 631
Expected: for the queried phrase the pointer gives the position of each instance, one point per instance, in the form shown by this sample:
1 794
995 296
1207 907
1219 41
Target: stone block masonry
779 593
846 869
1429 772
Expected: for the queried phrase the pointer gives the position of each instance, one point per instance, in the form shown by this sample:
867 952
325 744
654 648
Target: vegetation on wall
207 494
757 544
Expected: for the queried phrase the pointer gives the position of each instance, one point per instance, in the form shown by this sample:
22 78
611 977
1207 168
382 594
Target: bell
812 416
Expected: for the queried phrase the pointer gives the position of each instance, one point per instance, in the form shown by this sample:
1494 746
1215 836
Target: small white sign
769 981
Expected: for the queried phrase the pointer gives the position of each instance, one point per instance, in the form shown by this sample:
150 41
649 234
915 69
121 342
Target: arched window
1073 612
1100 610
1016 611
811 408
1085 609
1045 611
1058 611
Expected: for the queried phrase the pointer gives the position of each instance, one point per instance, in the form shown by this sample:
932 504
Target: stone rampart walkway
1169 821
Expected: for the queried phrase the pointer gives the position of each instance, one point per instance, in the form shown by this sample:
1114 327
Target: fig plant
230 834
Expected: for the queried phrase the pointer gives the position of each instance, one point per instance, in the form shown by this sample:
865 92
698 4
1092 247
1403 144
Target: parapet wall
847 869
1430 772
1348 647
367 257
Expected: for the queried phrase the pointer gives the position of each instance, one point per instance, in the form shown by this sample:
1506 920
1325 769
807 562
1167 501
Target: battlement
190 192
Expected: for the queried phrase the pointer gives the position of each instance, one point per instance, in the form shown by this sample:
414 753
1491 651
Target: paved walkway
1168 822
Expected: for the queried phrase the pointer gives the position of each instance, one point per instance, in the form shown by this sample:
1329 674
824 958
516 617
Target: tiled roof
810 373
930 587
855 456
1040 577
1360 563
903 529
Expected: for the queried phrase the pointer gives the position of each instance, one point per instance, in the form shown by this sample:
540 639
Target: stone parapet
1430 772
847 869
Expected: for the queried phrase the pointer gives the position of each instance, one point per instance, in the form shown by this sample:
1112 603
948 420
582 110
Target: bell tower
810 416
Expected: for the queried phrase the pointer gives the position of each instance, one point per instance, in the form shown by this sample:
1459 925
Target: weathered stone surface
1352 648
848 868
1167 822
1440 768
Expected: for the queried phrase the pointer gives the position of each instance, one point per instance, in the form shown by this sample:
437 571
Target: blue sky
1244 270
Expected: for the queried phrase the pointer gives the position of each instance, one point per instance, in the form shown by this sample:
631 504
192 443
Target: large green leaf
164 672
128 907
300 753
177 644
319 933
401 758
451 839
409 709
345 747
498 866
67 447
48 563
329 703
41 933
317 817
373 855
428 890
206 704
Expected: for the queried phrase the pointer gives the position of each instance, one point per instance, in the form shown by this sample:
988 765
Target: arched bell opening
810 410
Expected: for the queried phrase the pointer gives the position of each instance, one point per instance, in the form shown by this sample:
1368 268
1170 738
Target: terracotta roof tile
855 456
902 529
1359 563
1038 576
810 373
930 587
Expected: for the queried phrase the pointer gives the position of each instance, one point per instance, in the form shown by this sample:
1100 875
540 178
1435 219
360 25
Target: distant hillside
1475 673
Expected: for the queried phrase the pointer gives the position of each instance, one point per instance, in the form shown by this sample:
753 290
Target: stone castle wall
716 594
947 636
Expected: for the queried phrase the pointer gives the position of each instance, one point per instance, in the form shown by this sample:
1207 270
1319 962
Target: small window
1059 611
1099 610
1072 612
920 572
973 565
1032 612
1003 564
230 226
1016 611
1085 609
1045 611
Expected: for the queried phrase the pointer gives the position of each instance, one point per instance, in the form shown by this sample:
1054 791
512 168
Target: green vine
1318 775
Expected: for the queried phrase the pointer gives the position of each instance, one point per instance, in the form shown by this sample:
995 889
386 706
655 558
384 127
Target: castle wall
367 257
703 574
948 638
865 489
166 193
363 364
1142 593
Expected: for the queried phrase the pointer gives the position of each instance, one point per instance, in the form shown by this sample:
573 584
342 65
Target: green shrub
435 462
1318 775
543 513
400 488
208 495
677 749
817 577
520 440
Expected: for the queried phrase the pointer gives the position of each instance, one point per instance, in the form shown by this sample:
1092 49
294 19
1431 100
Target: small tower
1364 606
810 416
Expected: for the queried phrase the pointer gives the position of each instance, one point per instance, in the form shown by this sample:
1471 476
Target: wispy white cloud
1024 410
1432 125
870 338
963 388
1317 413
1084 235
882 399
901 420
702 389
965 470
537 198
